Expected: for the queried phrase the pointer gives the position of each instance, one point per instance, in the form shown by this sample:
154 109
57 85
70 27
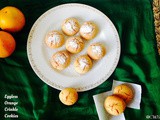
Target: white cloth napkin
99 101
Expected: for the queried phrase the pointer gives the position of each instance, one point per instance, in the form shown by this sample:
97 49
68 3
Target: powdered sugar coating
71 25
73 44
83 63
60 58
97 50
86 29
55 39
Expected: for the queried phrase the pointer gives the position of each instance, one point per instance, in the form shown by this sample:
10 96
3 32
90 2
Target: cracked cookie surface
88 30
54 39
83 64
70 26
96 51
114 105
60 60
124 91
68 96
74 44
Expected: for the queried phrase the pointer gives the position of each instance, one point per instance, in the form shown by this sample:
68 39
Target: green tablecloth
139 63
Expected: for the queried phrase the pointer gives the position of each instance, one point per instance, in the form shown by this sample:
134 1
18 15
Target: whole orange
7 44
11 19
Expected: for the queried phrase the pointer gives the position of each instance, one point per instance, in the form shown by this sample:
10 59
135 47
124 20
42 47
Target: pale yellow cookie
74 44
83 64
96 51
114 105
124 91
70 26
88 30
54 39
60 60
68 96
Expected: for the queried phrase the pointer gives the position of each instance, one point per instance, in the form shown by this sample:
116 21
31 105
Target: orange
7 44
11 19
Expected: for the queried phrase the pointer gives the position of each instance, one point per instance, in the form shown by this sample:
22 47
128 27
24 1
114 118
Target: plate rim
54 85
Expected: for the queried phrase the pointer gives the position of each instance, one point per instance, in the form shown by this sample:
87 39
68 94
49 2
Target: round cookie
74 44
96 51
114 105
68 96
88 30
54 39
83 64
70 26
124 91
60 60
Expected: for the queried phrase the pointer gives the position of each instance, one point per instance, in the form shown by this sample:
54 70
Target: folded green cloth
139 63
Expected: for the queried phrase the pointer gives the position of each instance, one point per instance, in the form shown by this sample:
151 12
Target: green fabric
139 63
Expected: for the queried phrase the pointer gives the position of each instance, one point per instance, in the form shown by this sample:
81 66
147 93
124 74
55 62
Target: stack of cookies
116 103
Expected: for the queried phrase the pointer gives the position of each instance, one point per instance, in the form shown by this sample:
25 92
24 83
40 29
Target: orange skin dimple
7 44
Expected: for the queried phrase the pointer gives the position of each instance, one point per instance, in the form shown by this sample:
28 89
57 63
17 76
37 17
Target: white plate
39 54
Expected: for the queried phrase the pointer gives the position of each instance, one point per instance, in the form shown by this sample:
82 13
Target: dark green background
139 63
